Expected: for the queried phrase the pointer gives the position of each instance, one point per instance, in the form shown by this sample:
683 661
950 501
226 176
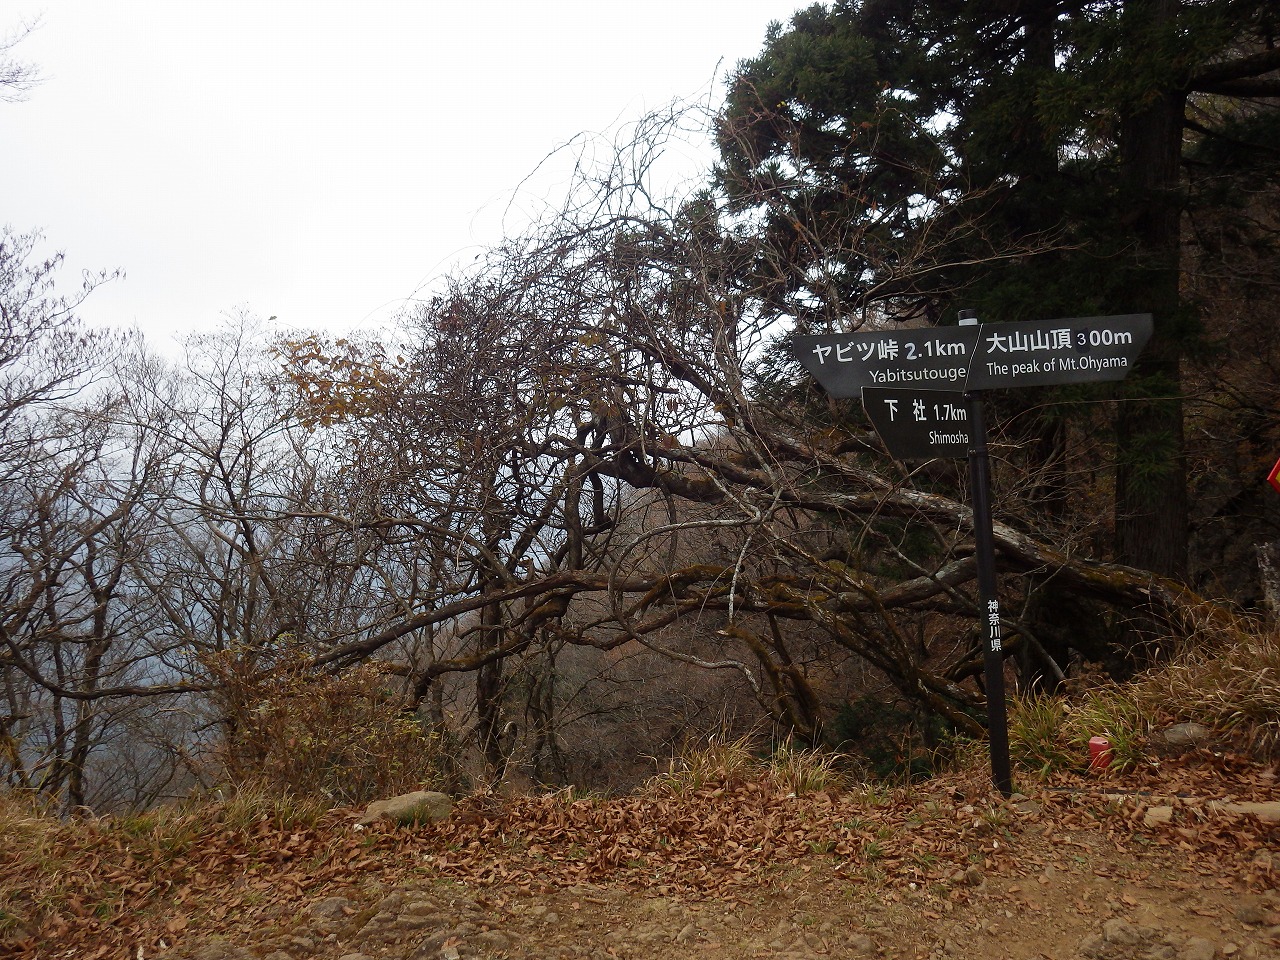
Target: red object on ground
1099 753
1273 477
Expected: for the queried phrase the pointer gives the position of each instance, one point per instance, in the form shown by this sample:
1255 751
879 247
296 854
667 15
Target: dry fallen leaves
109 894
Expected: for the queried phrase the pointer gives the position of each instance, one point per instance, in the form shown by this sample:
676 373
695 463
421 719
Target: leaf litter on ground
100 888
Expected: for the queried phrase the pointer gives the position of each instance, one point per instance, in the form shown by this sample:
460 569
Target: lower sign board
918 424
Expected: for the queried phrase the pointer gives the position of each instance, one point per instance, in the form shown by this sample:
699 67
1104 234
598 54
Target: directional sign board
1044 352
993 356
918 424
933 358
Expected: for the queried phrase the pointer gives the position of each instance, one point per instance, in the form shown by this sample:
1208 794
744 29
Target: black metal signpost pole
993 656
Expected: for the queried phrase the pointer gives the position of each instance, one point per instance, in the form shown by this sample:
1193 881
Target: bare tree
583 492
626 359
17 77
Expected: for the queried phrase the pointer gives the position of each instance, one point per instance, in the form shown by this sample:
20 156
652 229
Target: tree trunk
1269 577
489 692
1151 488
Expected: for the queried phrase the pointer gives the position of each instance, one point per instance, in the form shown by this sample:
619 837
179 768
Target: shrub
896 743
802 771
347 738
1037 733
718 763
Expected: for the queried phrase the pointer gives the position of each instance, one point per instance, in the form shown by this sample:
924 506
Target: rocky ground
1157 865
1056 912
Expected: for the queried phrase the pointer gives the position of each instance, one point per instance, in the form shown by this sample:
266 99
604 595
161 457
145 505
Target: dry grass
1231 685
1228 681
28 839
717 763
801 771
109 877
726 763
254 803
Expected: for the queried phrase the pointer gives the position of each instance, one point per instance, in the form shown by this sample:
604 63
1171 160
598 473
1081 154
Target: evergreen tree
976 128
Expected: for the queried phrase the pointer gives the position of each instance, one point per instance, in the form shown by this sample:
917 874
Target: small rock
392 902
1092 946
1120 932
493 939
1186 734
332 908
420 908
1267 810
1198 948
860 945
973 876
421 806
1253 912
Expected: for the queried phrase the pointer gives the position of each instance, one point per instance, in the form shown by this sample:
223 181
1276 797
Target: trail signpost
922 391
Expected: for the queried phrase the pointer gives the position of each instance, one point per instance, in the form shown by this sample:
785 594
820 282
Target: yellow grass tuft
1228 681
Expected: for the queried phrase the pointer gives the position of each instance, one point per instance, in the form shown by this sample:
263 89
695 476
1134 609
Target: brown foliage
345 739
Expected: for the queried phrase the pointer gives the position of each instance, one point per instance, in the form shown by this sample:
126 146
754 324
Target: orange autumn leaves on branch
339 380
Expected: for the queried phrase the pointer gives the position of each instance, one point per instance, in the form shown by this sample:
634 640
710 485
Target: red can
1099 753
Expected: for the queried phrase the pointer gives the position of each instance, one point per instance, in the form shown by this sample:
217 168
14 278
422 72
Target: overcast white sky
319 160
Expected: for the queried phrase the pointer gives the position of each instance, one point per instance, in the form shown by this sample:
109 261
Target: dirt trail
742 871
1138 909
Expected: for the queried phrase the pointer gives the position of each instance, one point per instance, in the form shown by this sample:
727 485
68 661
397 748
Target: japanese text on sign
933 358
1033 353
990 356
918 424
